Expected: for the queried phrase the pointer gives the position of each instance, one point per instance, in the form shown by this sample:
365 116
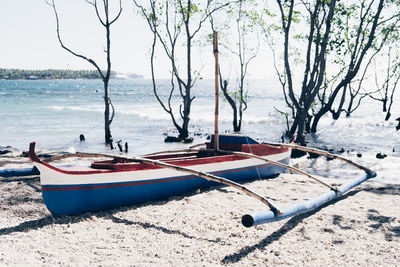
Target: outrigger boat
125 181
107 184
226 159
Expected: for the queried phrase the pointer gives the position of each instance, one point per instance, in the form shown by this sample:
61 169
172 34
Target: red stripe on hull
259 149
148 182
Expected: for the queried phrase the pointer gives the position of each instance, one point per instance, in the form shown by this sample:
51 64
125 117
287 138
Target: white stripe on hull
51 177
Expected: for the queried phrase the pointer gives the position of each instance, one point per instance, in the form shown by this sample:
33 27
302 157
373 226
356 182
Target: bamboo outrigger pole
257 218
216 137
210 177
323 153
277 163
248 155
261 217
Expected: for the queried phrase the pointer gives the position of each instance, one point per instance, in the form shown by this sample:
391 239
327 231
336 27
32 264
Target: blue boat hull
76 199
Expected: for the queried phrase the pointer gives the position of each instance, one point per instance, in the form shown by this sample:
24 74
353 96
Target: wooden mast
216 137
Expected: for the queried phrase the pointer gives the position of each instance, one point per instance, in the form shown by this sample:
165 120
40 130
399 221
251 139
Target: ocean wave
153 114
156 113
77 108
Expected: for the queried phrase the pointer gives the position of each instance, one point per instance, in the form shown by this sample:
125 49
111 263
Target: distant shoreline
56 74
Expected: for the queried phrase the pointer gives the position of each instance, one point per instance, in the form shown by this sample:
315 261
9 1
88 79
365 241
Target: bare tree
358 44
342 35
106 21
174 24
320 16
238 23
387 88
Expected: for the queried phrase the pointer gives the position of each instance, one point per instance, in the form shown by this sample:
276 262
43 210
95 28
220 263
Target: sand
203 228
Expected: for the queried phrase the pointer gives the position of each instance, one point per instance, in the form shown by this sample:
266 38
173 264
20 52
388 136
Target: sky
29 40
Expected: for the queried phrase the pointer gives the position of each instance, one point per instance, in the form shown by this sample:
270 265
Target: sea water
55 112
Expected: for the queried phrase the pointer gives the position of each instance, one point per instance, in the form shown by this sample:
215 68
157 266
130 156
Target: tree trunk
308 123
239 122
236 124
300 138
183 131
315 122
388 116
336 115
293 128
107 131
350 106
384 104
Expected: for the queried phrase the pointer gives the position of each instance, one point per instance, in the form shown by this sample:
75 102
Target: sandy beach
203 228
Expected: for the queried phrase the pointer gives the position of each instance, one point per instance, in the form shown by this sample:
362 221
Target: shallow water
55 112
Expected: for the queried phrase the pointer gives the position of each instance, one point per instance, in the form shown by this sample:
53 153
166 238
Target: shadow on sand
381 222
378 222
15 200
48 220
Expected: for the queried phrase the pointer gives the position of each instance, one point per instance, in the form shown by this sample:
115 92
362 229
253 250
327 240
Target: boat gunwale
220 158
88 186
